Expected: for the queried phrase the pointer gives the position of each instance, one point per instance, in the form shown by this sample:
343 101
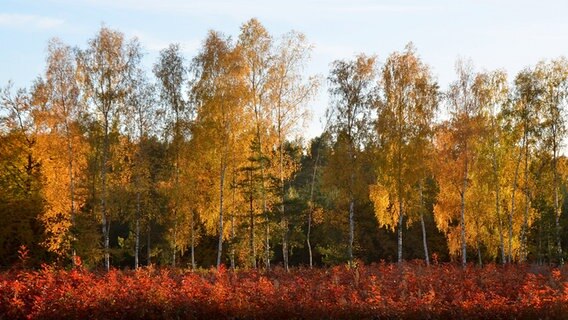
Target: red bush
410 290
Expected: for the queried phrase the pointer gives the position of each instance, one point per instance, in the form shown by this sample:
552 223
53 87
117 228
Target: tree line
202 162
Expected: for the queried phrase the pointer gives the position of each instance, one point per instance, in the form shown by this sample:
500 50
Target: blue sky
495 34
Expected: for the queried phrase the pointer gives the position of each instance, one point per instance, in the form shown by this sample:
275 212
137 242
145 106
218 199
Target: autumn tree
220 96
21 200
404 127
317 147
141 111
64 147
352 85
172 75
492 94
290 94
57 98
105 70
554 77
457 142
256 44
523 118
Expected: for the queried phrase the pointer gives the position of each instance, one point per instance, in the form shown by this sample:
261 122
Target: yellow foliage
386 212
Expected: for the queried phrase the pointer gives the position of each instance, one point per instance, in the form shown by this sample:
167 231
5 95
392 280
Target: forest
203 162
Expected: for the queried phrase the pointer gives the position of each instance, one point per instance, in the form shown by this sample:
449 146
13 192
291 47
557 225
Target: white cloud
13 20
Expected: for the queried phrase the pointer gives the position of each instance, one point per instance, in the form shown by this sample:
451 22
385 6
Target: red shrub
410 290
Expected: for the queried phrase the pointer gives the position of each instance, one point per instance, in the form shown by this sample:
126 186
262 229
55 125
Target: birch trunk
557 207
252 247
524 245
192 240
512 212
221 193
104 217
148 246
462 215
232 241
71 190
424 242
311 210
174 251
351 229
137 243
351 200
400 224
233 225
500 225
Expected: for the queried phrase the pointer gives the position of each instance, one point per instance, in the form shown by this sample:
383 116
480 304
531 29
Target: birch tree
524 119
172 75
492 94
105 71
141 106
404 127
220 95
554 77
65 147
352 87
20 172
256 46
457 144
290 94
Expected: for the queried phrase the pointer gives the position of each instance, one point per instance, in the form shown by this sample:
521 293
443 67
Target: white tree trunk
462 215
424 241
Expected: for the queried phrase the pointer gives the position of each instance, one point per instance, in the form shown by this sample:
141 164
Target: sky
508 35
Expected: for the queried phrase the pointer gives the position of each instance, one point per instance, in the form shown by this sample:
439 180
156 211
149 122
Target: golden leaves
386 212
